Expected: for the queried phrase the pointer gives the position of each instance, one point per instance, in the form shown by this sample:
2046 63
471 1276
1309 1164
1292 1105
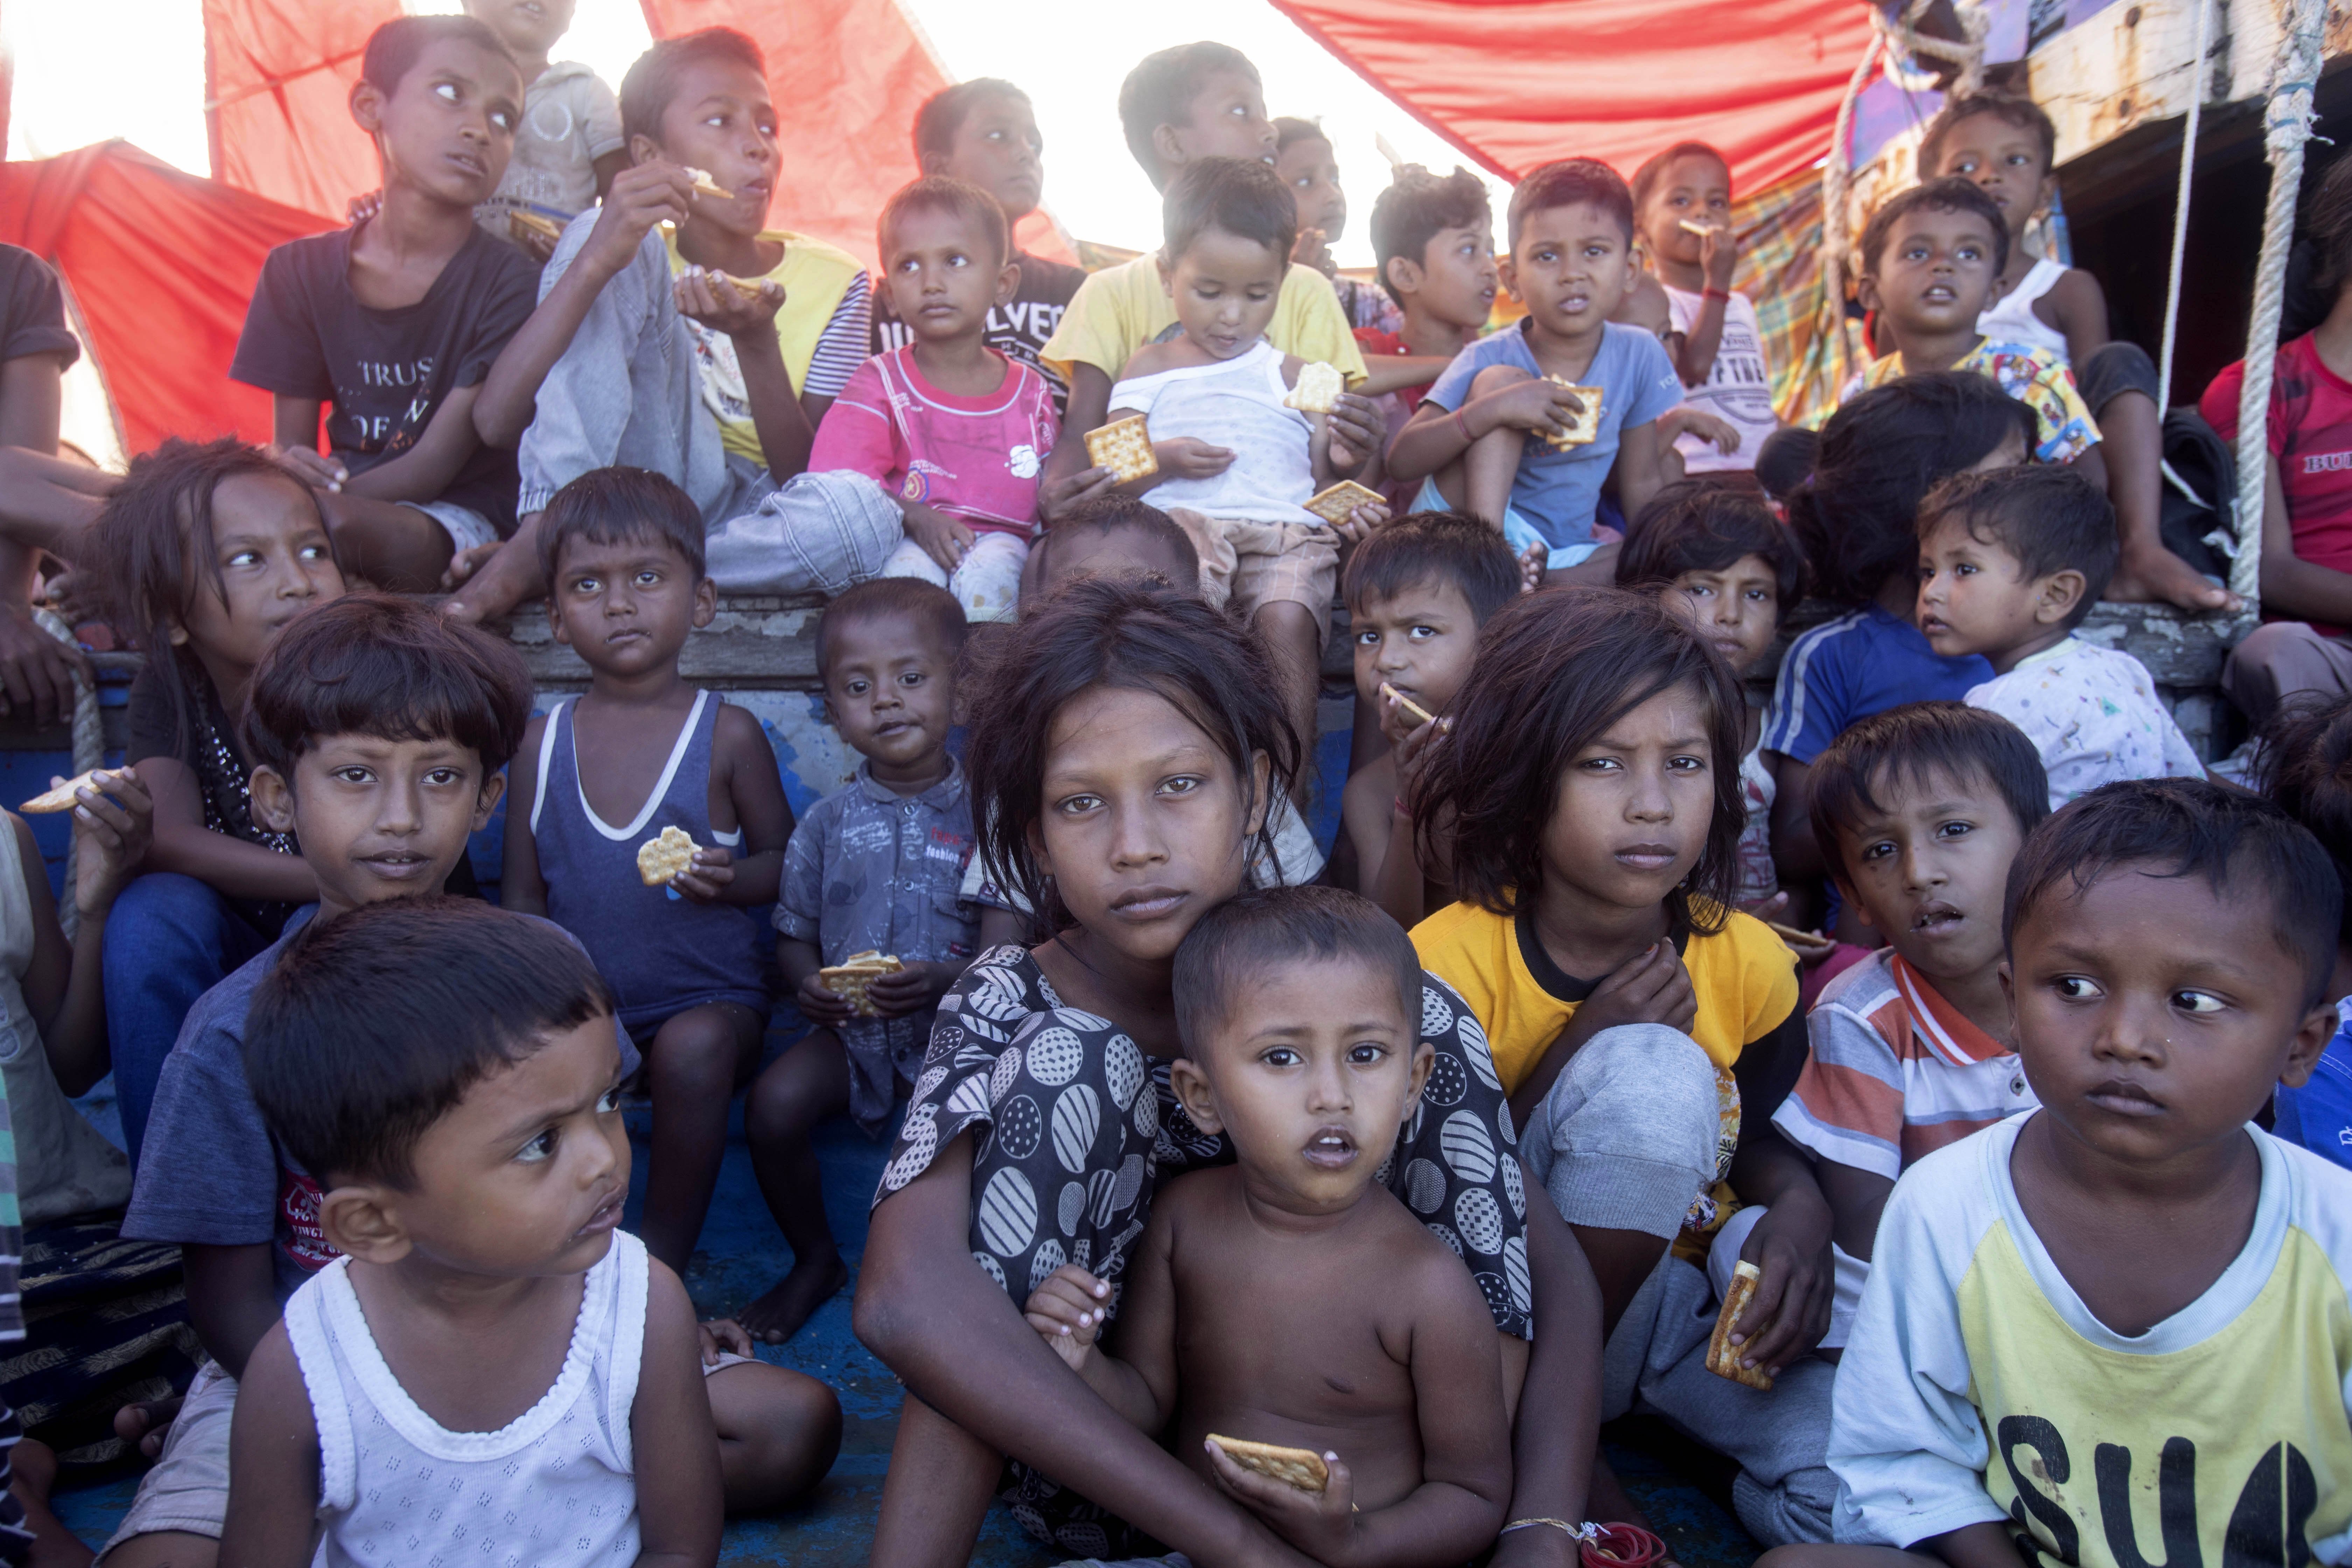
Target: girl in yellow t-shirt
1644 1029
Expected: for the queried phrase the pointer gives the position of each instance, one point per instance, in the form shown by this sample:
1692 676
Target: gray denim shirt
868 868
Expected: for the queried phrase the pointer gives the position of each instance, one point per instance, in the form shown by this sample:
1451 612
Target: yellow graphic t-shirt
815 277
1977 1387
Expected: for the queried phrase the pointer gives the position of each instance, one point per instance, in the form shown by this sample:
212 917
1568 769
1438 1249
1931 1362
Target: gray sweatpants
1624 1141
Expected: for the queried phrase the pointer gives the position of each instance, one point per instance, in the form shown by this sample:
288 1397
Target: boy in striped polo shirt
1919 811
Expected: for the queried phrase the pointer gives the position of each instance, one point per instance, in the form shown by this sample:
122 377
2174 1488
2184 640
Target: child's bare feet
793 1300
145 1423
33 1471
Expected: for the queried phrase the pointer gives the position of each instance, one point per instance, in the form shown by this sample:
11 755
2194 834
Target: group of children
1415 1162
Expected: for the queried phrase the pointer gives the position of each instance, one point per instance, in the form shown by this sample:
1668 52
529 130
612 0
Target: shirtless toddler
1290 1299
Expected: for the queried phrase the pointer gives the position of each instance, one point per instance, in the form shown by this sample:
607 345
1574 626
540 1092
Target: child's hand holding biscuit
1069 1310
1357 429
819 1002
738 307
707 876
1321 1524
910 989
1543 408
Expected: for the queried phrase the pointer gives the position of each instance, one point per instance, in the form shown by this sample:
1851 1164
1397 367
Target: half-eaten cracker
1317 390
1582 429
849 978
659 860
706 186
523 227
1412 711
1722 1355
1301 1467
1334 505
1124 446
66 796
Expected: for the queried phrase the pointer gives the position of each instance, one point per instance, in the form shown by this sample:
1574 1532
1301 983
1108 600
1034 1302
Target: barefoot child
1487 436
1239 488
642 752
1418 591
523 1372
877 867
951 425
1722 559
205 553
1716 345
1921 809
2115 1320
2010 563
1289 1299
392 326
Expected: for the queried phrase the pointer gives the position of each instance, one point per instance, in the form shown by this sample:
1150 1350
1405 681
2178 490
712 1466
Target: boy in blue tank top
878 866
602 777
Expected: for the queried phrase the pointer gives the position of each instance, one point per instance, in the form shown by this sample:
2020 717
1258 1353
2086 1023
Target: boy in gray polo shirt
878 866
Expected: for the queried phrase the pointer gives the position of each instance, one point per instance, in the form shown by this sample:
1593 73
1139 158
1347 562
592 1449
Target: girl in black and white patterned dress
1124 751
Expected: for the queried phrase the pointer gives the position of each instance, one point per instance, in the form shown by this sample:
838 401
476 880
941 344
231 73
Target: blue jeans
169 939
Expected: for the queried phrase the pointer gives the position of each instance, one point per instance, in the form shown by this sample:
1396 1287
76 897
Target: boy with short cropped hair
599 775
1178 106
876 867
1434 245
1931 256
2008 145
956 429
2010 563
487 1329
1307 163
984 133
1417 591
707 351
1920 810
2120 1318
568 146
1289 1299
392 326
1489 436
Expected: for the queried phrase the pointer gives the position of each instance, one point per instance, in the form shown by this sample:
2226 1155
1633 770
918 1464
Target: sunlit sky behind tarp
90 69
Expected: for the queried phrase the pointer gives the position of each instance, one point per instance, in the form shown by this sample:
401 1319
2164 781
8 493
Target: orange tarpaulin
277 83
1518 83
160 265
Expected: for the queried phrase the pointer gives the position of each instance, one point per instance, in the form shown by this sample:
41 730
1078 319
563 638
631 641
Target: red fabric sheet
1520 82
277 83
160 265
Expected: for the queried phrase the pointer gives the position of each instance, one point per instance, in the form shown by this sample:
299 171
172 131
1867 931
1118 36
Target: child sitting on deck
490 1364
392 326
707 352
1222 386
1682 200
1433 243
2010 563
877 867
2121 1319
1921 809
955 430
642 752
1491 435
2008 146
1317 1311
1418 592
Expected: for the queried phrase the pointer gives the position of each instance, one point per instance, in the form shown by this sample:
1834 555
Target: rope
88 749
2286 127
2181 201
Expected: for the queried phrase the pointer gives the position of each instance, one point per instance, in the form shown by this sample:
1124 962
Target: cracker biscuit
1334 504
523 227
1318 389
747 287
849 978
63 797
1700 229
1412 711
705 186
1722 1355
1584 428
659 860
1300 1468
1124 446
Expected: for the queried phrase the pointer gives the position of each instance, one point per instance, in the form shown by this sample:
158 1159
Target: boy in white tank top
489 1363
2008 147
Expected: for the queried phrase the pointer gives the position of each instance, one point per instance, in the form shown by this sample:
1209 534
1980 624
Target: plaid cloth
1780 231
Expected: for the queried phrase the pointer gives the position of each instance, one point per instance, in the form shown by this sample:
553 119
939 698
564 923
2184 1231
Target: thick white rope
2180 200
2287 126
88 749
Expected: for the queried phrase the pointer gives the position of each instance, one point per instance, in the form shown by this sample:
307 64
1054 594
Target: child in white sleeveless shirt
491 1366
1237 465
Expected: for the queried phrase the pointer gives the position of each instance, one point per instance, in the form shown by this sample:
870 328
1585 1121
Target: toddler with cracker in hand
1321 1314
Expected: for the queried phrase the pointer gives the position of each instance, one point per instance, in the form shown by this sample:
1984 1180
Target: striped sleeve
1847 1107
840 347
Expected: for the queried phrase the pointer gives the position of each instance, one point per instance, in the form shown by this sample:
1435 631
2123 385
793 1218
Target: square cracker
1301 1467
1333 505
1584 428
1124 446
849 978
1318 389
